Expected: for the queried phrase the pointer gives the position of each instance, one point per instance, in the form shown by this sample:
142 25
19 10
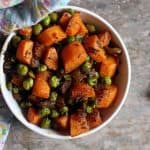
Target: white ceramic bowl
122 80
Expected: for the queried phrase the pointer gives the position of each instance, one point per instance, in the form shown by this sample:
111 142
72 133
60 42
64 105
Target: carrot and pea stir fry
61 72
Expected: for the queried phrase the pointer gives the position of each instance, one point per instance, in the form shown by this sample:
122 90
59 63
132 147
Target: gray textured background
130 130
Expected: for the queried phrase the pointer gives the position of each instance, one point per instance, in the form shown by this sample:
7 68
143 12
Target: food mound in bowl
61 72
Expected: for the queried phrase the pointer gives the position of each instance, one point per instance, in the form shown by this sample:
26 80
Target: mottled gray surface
130 130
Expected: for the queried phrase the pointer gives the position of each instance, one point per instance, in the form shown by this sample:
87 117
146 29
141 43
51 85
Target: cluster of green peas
28 83
92 80
45 112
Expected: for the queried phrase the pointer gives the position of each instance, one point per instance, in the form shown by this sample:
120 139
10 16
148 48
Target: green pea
46 21
54 17
88 58
9 86
67 77
71 11
45 112
46 122
15 90
54 113
15 40
89 109
22 69
94 75
37 29
53 96
92 81
64 110
79 38
71 39
31 74
42 68
91 28
25 104
28 83
86 67
54 81
106 80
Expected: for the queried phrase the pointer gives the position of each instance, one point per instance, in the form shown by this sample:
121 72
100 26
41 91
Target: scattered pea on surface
37 29
22 69
46 122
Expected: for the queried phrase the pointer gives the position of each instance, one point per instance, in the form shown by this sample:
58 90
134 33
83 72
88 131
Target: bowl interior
122 79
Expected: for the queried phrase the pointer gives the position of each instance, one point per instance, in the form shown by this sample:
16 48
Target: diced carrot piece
73 25
73 56
38 50
62 122
83 30
41 88
106 96
51 58
17 80
27 31
43 75
64 20
76 26
52 35
33 116
94 119
82 90
93 48
78 124
108 67
24 51
104 38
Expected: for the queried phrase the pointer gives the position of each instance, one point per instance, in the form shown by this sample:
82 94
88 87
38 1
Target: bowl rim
101 19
